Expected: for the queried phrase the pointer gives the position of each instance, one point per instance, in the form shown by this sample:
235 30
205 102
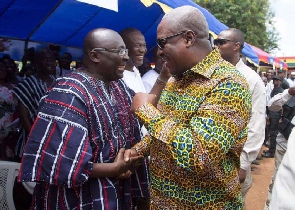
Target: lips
121 68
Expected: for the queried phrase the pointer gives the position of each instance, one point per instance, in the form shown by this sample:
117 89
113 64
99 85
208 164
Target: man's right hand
124 164
291 91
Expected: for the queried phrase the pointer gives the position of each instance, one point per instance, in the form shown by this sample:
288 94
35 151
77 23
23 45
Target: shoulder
121 86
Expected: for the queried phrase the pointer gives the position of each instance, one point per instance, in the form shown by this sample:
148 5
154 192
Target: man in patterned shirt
199 126
76 145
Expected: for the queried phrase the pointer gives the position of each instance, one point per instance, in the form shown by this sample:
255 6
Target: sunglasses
120 51
162 42
219 42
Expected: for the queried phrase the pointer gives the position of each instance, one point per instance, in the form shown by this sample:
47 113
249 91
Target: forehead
135 37
110 41
164 29
225 35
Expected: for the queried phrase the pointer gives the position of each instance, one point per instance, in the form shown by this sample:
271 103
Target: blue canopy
30 23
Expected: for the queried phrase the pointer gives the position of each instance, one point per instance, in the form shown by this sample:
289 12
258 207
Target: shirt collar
208 65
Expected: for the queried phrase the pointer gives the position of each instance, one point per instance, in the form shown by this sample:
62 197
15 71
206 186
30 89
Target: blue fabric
67 22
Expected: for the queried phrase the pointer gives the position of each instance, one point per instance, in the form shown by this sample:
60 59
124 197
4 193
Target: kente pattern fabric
81 122
29 92
198 131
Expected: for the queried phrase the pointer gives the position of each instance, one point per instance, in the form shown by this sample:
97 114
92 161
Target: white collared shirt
283 192
134 82
149 79
256 126
275 104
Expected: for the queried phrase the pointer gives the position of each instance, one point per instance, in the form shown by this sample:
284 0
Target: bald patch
98 38
187 18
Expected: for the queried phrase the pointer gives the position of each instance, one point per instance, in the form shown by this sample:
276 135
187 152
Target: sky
284 21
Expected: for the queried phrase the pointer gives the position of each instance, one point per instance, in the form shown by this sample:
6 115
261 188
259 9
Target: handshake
126 161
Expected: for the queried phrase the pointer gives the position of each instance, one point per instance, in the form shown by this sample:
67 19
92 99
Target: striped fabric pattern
29 92
81 122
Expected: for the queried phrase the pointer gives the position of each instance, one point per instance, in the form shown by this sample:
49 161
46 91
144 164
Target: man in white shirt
136 45
230 43
283 193
275 104
291 80
150 77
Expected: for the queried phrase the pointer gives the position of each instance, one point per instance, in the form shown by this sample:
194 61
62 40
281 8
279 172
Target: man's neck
235 60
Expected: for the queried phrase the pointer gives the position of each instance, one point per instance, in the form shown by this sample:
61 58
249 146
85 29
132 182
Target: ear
94 56
190 38
237 46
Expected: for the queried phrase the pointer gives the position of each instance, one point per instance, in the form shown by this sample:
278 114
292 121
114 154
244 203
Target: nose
142 49
125 57
160 52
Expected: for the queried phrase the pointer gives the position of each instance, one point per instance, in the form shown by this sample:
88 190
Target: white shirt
283 192
275 104
291 83
256 126
133 80
149 79
268 88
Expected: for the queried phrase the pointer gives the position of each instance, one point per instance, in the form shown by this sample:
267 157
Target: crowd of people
115 133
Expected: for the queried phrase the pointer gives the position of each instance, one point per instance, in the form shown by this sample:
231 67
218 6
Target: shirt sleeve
58 149
256 126
276 103
216 131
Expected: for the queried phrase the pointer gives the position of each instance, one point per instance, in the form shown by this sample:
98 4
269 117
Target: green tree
253 17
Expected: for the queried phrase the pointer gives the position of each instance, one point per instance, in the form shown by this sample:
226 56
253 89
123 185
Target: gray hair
188 18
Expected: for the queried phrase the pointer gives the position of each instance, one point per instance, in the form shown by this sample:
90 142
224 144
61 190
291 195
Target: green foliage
253 17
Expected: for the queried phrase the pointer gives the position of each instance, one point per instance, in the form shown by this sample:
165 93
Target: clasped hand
127 161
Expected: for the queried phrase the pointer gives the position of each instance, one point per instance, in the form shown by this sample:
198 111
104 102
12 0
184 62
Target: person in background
29 92
269 87
283 189
273 120
145 67
65 65
284 83
150 78
84 124
195 146
135 43
79 63
230 43
10 65
264 79
291 80
7 106
28 59
284 101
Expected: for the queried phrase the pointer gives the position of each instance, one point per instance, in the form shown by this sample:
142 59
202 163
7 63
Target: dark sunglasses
219 42
162 42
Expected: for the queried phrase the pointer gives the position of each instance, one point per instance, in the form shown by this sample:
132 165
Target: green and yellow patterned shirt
198 131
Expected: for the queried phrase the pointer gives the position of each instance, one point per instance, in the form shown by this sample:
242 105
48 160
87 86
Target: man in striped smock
84 124
29 92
